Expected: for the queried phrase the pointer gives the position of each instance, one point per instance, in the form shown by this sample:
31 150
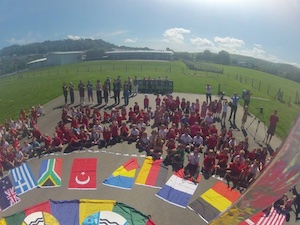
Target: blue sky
266 29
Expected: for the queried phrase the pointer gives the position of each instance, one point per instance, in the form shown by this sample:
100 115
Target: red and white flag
83 174
271 218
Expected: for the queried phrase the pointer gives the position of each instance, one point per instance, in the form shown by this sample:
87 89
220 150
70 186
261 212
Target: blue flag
23 179
8 195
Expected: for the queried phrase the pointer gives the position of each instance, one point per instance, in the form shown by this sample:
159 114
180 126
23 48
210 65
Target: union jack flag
8 195
12 196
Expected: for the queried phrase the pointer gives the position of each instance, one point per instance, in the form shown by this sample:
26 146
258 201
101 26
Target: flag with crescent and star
83 174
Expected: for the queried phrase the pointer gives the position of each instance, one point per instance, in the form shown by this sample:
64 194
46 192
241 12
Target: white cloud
130 40
75 37
175 35
228 42
14 41
201 42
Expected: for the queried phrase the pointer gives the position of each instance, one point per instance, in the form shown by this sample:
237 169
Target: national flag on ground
50 173
8 195
78 212
94 212
60 209
271 218
153 173
178 191
214 201
123 177
83 174
23 180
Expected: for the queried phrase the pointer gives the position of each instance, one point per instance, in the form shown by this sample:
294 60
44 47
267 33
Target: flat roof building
140 54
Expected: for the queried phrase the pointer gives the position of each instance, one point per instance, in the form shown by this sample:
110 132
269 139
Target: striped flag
23 179
123 177
177 190
272 218
153 173
214 201
50 173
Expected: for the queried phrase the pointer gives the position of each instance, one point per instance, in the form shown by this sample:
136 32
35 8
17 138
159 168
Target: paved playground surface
140 197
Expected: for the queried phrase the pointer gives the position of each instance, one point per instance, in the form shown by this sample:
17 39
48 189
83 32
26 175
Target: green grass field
40 86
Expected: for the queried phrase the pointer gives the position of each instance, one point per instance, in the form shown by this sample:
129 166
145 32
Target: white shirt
194 159
185 139
225 107
98 128
27 148
134 132
198 140
163 133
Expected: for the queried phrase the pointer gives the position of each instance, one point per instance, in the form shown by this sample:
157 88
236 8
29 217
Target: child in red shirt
157 100
146 102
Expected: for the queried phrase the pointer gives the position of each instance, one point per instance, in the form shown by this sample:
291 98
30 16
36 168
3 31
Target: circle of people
178 128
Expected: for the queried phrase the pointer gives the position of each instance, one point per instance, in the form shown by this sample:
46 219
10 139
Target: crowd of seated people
12 151
174 129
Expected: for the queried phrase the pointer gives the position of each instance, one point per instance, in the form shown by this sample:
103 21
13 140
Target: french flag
177 191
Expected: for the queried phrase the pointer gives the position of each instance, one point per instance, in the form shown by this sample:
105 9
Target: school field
269 92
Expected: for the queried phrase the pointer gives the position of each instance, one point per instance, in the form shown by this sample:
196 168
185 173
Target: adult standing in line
65 92
126 94
106 92
115 90
108 81
90 92
71 91
99 92
247 98
135 86
81 88
234 104
208 93
129 83
274 119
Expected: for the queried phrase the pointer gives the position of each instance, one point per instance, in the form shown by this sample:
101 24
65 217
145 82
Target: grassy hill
40 86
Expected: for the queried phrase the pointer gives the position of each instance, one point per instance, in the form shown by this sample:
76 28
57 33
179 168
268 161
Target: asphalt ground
140 197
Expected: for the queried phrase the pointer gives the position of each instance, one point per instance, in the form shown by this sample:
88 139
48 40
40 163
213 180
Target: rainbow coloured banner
78 212
123 177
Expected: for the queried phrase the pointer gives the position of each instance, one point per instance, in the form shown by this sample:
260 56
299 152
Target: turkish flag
83 174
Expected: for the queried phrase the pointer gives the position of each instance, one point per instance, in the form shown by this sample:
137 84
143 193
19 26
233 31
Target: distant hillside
15 57
223 58
280 69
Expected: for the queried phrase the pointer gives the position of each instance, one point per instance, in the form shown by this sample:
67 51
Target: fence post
252 83
219 88
259 85
268 92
